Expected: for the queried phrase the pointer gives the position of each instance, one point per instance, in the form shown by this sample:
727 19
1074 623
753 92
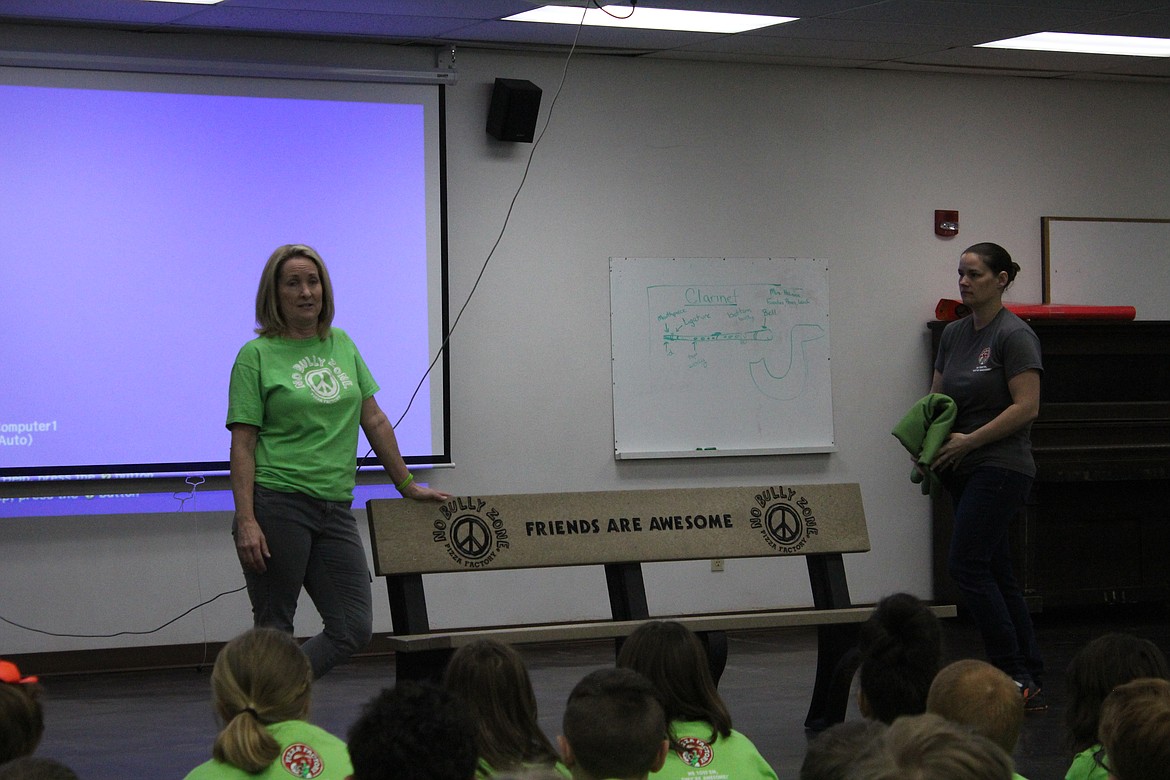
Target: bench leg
836 644
408 603
627 591
421 665
837 662
715 643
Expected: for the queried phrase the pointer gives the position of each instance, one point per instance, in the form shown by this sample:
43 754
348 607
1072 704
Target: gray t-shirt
976 366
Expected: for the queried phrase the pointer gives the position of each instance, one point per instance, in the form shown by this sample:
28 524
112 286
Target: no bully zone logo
784 520
470 531
324 378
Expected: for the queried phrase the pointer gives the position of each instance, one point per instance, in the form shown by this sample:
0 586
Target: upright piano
1096 527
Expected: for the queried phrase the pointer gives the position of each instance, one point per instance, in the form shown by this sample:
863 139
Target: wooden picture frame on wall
1104 261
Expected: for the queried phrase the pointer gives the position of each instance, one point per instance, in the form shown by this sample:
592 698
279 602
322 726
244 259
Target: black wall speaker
512 115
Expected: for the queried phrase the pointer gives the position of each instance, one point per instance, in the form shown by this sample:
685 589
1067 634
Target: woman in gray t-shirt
989 363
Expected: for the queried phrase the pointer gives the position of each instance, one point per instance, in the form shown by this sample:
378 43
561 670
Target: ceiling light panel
650 18
1082 43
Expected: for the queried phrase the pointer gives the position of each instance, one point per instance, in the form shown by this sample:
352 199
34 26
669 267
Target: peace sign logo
783 524
323 384
471 537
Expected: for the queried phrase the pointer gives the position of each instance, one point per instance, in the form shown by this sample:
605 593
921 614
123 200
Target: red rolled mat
949 309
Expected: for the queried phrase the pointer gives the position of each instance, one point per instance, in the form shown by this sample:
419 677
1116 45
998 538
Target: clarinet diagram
758 325
720 354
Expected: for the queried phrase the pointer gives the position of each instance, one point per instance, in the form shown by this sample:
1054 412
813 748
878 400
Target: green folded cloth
923 430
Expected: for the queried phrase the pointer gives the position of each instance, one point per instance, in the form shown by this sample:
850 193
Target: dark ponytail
996 258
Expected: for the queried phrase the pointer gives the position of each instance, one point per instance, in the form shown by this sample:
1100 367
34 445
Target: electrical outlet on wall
717 564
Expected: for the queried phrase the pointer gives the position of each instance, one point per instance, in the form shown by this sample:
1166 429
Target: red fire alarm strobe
946 223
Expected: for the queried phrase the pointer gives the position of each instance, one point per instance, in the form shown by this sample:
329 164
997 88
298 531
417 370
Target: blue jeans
313 544
985 502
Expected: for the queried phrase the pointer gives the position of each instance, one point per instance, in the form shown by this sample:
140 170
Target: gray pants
313 544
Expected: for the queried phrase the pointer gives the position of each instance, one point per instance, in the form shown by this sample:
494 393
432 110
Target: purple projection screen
136 213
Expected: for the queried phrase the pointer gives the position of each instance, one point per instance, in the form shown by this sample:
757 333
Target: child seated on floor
260 686
36 768
1097 668
614 727
976 694
930 747
414 731
22 721
491 681
833 753
672 657
1135 730
901 646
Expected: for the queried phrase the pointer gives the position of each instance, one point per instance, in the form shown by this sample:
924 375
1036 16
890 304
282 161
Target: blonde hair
925 747
974 693
269 319
260 677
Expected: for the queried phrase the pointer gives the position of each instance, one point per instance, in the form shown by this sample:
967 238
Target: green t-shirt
484 771
306 751
733 757
305 396
1085 766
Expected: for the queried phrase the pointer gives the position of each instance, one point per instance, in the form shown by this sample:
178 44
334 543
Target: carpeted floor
159 724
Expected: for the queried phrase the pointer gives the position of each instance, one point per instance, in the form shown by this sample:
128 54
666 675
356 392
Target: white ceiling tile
905 34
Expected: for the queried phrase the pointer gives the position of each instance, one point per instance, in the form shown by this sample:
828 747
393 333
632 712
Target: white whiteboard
720 356
1108 262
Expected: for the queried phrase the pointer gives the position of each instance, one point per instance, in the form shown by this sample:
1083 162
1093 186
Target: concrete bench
620 530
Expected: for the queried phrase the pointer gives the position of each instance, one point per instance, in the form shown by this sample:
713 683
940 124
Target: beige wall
662 158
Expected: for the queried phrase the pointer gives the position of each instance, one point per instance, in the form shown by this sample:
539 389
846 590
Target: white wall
662 158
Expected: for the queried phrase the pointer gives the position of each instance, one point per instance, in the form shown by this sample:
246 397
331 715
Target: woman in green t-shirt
298 393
